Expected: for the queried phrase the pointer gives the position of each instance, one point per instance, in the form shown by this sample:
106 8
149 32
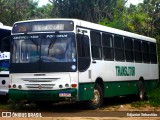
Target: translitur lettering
125 71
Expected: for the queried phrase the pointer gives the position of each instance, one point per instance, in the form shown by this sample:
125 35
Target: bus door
84 62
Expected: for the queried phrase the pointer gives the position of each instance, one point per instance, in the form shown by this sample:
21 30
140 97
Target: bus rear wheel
97 100
141 91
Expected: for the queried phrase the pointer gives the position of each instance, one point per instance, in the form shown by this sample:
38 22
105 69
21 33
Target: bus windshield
44 49
28 50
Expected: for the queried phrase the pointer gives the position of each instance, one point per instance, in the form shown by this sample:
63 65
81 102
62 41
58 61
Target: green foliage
118 17
154 97
142 19
35 12
116 23
90 10
17 10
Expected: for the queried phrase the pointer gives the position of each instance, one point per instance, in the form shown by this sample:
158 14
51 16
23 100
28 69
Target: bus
5 32
55 60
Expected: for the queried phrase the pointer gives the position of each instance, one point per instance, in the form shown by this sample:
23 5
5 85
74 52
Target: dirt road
116 109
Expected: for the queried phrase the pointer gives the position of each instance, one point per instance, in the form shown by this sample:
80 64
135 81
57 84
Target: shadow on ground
67 107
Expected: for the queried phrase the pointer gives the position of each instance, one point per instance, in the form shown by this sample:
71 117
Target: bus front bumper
43 95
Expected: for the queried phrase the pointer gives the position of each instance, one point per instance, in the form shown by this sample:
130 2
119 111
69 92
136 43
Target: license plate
64 94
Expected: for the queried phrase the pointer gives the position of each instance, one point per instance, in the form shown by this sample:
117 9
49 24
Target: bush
154 97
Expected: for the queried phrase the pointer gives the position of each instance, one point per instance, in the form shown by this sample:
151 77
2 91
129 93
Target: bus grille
39 79
40 86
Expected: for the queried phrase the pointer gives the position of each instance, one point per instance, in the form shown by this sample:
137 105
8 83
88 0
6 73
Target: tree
17 10
142 19
119 19
157 16
12 10
89 10
33 11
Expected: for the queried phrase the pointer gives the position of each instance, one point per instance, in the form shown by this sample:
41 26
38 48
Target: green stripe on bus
115 88
43 95
118 88
86 91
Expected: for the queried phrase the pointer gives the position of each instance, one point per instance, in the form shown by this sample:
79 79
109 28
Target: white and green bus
56 60
5 32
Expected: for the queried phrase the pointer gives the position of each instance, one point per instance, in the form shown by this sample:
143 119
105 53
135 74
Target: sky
134 2
42 2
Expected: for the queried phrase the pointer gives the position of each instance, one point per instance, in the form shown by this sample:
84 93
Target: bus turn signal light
9 86
74 85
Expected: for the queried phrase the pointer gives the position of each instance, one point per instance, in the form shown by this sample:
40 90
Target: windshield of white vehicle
46 48
44 52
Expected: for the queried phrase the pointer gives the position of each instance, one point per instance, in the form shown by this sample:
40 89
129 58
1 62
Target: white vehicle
74 60
5 32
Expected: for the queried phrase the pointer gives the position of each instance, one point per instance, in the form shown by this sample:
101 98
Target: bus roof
5 31
115 31
5 27
99 27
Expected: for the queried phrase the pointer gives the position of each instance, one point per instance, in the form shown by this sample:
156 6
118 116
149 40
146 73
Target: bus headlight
3 82
60 86
14 86
19 86
66 85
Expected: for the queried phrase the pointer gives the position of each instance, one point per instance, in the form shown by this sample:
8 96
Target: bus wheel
141 91
97 100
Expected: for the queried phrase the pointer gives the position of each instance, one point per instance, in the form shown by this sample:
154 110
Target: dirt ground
81 118
128 107
115 112
119 109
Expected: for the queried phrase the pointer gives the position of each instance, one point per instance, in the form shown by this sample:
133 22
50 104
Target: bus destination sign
48 27
43 26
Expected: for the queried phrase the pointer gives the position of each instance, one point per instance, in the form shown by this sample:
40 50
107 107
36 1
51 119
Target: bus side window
119 49
107 42
137 51
145 49
128 43
96 45
153 53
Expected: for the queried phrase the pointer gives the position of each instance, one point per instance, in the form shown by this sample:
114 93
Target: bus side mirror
5 44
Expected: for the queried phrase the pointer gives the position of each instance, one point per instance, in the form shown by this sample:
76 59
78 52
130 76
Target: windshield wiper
51 44
35 43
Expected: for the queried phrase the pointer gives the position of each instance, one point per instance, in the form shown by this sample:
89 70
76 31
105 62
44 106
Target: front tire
97 100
